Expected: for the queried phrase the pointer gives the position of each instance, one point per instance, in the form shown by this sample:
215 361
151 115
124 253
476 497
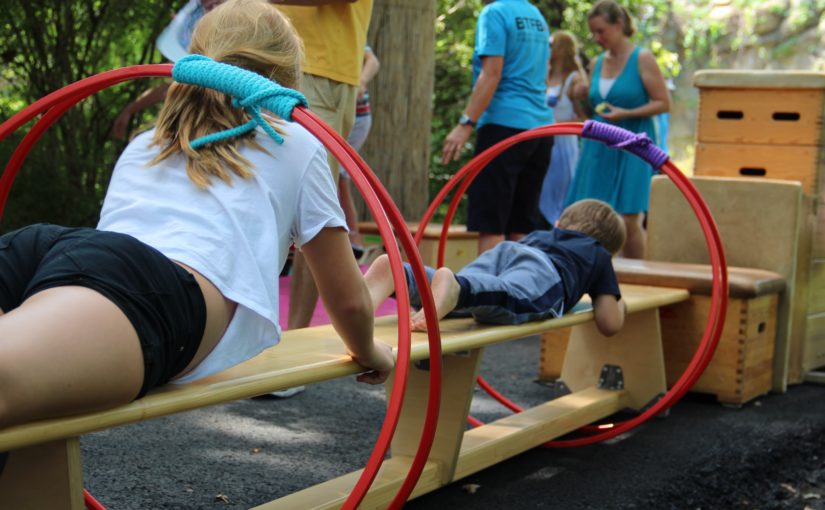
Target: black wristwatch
465 120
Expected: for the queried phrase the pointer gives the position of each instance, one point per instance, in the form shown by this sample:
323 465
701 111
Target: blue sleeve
492 34
605 282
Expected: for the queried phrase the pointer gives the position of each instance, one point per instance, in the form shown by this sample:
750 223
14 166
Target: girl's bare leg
379 281
634 246
445 290
66 350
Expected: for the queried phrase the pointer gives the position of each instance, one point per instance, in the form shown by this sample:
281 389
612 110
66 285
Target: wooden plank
58 480
758 79
332 493
760 116
304 356
497 441
779 162
481 447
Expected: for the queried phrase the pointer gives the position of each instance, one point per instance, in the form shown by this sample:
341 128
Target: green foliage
44 46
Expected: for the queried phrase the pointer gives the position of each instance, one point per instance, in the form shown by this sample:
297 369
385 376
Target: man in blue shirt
509 70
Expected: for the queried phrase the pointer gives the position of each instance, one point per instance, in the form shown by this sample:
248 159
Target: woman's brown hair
253 35
613 13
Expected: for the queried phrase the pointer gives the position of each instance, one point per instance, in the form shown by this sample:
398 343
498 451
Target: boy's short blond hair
596 219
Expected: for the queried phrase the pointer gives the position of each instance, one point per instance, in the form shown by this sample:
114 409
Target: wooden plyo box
768 124
461 249
742 366
760 124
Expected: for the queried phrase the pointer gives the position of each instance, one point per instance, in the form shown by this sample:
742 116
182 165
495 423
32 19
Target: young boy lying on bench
543 275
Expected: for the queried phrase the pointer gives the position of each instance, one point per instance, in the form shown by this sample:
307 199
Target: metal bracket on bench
611 378
558 388
424 364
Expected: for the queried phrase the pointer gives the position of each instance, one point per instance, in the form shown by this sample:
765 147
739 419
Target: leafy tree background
46 44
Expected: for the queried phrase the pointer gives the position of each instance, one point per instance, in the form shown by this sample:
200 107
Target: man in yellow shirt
334 35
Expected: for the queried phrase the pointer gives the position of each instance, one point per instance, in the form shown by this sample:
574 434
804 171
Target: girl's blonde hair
566 52
613 13
253 35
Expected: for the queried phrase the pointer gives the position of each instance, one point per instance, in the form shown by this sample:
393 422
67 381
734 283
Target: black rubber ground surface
769 454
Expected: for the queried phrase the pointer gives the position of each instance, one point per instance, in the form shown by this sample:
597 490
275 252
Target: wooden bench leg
458 382
636 349
43 476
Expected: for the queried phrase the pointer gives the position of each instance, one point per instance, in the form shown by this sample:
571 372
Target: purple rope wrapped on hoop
619 138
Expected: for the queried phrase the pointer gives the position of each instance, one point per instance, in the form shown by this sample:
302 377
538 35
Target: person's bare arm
347 301
483 91
609 314
655 86
578 84
368 71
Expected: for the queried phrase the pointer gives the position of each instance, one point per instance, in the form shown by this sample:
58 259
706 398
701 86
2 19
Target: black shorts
162 300
504 197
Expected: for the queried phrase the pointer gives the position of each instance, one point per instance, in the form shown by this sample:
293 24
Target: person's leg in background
634 247
357 137
334 103
491 192
532 164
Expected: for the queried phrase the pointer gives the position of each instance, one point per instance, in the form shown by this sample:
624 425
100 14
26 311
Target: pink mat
320 315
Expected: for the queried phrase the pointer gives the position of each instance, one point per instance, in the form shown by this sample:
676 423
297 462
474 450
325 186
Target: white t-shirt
236 235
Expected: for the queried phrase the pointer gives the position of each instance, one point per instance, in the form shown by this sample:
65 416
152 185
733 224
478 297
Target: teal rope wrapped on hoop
249 91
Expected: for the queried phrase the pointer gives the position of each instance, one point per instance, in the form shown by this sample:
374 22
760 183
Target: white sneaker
289 392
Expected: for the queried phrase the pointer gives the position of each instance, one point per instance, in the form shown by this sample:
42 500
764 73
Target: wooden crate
742 366
760 107
461 249
792 162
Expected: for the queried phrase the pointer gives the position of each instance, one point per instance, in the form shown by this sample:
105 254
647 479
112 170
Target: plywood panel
816 301
784 162
815 344
761 224
818 251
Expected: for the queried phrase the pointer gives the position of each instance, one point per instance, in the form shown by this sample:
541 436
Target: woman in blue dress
564 76
627 89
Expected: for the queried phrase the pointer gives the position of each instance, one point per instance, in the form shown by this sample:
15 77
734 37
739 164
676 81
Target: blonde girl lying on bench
179 280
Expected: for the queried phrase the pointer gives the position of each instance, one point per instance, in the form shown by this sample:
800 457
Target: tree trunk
402 35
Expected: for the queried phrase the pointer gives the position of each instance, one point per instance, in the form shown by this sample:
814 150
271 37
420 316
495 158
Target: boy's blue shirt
584 265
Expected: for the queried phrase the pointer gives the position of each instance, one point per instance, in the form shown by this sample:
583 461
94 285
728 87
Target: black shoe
4 456
358 251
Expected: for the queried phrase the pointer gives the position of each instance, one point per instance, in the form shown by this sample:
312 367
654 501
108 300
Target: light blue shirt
515 30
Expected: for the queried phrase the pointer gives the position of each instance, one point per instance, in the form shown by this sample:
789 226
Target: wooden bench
44 466
742 367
